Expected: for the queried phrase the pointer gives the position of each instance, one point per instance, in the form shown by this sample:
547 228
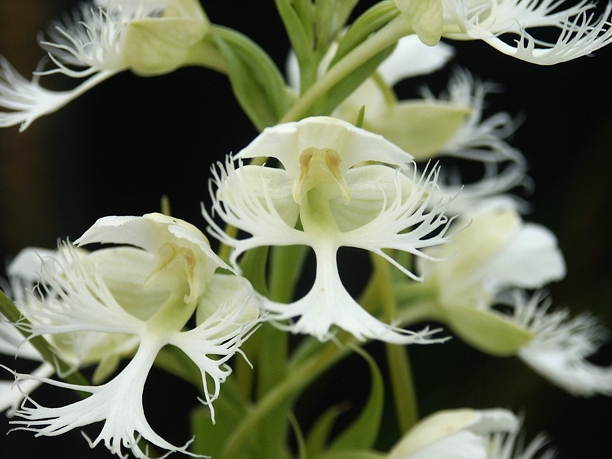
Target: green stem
295 380
13 315
385 37
400 370
206 54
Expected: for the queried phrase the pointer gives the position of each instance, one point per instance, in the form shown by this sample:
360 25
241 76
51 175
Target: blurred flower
149 37
468 434
149 287
561 346
579 34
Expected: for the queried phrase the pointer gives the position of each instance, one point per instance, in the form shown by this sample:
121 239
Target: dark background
120 147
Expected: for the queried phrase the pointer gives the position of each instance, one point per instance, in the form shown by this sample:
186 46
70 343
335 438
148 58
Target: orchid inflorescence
339 162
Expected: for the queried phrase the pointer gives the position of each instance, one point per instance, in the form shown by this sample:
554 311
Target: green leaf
363 432
258 85
299 27
368 23
350 83
330 17
319 433
209 438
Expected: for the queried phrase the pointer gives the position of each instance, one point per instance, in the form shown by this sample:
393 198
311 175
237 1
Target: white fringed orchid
99 40
495 250
348 187
579 33
498 252
468 434
149 289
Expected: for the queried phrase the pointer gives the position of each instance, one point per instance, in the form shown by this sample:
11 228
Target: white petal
235 313
387 230
23 101
117 403
238 205
461 445
411 57
12 394
13 343
477 139
77 300
530 259
286 142
561 347
579 35
489 194
328 303
453 434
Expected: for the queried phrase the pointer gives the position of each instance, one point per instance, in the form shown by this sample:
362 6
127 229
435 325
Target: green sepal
487 331
420 128
258 85
362 433
318 436
368 23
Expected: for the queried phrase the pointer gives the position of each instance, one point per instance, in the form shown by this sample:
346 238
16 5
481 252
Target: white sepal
118 403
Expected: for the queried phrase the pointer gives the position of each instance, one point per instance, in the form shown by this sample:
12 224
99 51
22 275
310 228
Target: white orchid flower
149 37
339 203
149 286
580 32
494 251
498 253
467 434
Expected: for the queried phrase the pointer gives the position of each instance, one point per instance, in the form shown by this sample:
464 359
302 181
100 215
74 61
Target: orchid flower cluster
339 162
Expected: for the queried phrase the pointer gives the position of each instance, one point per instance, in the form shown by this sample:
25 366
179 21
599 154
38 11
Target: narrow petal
235 314
562 346
579 34
23 101
12 393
